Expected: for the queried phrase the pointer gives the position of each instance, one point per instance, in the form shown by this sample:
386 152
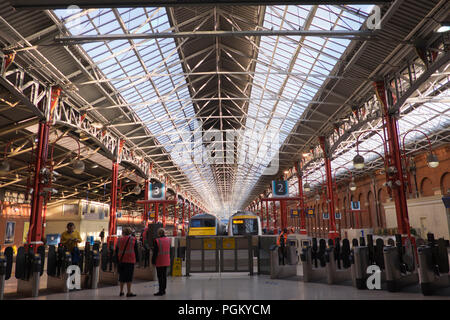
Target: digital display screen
238 221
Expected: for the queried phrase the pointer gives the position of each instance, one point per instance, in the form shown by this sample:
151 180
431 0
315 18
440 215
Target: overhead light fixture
445 27
137 190
97 125
358 162
307 187
432 160
94 166
78 166
5 166
127 180
317 197
306 154
352 185
286 172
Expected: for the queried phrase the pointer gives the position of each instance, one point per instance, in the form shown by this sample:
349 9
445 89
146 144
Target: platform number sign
355 205
280 188
294 213
156 191
310 211
326 216
337 215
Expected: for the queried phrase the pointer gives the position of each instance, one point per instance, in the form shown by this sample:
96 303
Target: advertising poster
26 227
10 230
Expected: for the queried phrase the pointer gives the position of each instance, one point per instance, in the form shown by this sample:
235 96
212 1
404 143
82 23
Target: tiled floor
227 286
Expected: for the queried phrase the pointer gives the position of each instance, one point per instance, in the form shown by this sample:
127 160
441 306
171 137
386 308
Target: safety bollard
36 269
95 272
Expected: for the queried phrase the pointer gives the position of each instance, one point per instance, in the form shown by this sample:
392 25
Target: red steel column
394 159
175 212
189 212
112 237
37 202
146 198
164 215
283 214
261 213
267 216
183 232
156 212
302 212
332 233
275 229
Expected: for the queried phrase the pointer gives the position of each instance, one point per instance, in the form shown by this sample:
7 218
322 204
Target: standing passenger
127 251
102 235
161 258
281 243
70 240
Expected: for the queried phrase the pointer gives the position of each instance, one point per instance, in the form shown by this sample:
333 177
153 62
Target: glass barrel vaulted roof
148 74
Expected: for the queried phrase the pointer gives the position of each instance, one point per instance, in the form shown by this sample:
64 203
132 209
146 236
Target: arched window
382 199
445 183
371 210
426 187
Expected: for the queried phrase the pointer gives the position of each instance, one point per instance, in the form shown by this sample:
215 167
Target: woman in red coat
126 251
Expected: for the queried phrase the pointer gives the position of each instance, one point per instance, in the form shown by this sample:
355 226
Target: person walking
102 235
127 255
161 259
70 240
281 243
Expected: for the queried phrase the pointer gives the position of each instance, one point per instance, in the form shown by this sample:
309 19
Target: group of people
127 255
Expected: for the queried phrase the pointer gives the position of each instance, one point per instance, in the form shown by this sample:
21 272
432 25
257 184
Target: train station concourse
242 151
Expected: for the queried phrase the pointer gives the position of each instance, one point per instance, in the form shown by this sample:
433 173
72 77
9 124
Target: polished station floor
237 286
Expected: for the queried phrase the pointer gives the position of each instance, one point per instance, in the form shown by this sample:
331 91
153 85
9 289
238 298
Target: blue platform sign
325 216
280 189
355 205
156 191
310 211
337 215
294 213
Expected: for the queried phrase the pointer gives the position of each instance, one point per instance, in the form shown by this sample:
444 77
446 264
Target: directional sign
294 213
325 216
310 211
280 189
337 215
156 191
355 205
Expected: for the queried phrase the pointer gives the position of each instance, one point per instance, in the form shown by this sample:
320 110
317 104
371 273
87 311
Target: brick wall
371 194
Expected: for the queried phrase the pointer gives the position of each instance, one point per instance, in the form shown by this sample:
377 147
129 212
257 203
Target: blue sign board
156 191
280 189
355 205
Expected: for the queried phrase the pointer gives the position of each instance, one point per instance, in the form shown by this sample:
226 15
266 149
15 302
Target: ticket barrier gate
433 265
29 269
395 263
219 254
400 266
6 263
364 256
332 264
58 261
338 262
90 266
312 257
278 270
108 273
